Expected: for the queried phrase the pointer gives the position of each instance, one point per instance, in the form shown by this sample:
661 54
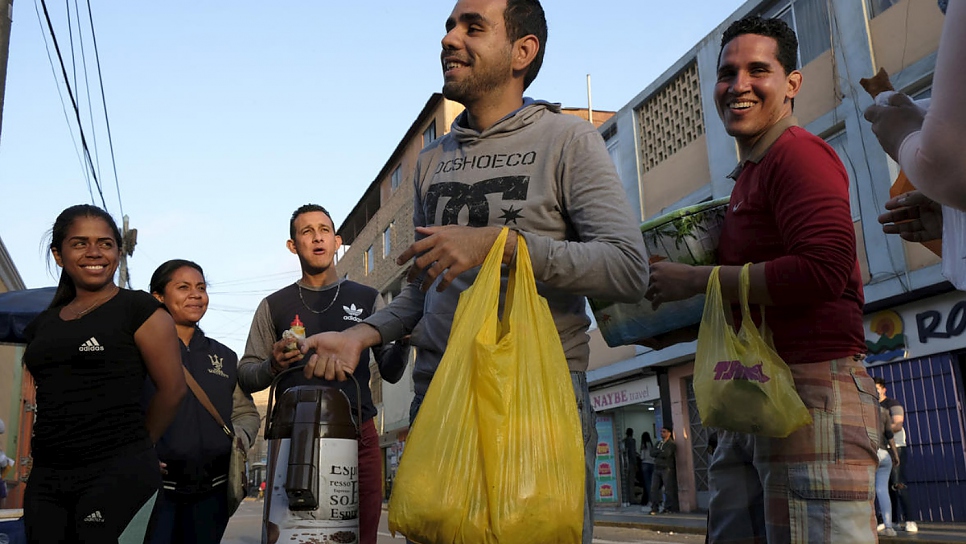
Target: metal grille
930 390
699 443
671 118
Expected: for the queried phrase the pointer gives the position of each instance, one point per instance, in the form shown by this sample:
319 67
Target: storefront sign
634 392
921 328
606 469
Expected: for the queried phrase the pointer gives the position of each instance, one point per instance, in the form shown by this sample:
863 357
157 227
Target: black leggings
104 502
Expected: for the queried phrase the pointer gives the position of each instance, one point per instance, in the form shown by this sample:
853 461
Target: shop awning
19 308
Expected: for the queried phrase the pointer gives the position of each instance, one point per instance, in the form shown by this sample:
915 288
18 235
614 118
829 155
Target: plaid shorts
814 486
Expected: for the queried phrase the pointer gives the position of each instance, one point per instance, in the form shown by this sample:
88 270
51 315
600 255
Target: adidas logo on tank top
94 517
91 345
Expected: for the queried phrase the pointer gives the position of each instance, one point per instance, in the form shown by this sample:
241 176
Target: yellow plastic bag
496 452
740 382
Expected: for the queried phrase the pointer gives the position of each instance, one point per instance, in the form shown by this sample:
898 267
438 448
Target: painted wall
905 33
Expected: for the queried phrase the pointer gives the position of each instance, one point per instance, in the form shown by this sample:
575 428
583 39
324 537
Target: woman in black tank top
94 468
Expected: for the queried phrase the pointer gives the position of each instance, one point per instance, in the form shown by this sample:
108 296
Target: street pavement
695 523
613 526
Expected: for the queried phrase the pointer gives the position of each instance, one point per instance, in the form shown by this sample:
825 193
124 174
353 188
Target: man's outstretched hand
337 353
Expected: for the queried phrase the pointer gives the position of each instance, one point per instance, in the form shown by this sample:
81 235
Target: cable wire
60 92
107 120
70 93
87 86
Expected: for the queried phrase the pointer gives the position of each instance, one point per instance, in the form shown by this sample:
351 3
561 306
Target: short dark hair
787 53
162 275
522 18
306 208
879 381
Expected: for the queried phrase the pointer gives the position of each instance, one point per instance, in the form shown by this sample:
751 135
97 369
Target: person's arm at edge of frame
157 341
933 157
255 367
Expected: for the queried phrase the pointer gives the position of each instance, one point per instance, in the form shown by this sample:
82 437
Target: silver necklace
323 310
98 302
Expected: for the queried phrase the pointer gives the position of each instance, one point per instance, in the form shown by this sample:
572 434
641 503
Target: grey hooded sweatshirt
548 176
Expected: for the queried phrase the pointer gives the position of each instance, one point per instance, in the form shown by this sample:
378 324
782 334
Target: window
840 142
429 135
613 149
671 118
370 261
876 7
809 19
387 241
396 177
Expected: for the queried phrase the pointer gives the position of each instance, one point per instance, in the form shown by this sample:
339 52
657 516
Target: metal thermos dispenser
313 467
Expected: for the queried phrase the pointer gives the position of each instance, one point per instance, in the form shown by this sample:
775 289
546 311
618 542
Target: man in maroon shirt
789 215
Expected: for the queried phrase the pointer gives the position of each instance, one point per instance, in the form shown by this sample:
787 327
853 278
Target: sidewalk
695 523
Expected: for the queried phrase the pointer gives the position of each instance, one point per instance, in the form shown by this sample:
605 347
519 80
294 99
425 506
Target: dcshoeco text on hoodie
481 162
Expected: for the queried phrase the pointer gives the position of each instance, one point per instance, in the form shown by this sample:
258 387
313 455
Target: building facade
671 151
17 397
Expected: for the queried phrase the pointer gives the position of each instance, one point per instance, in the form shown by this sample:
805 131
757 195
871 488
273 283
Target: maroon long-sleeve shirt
790 209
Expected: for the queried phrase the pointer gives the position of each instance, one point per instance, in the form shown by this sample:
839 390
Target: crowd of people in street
122 446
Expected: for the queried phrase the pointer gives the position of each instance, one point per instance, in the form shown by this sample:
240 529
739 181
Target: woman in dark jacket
195 451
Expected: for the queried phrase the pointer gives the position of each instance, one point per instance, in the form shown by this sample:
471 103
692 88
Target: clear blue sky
226 116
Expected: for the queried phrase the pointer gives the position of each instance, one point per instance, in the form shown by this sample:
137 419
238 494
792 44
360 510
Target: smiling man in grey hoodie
507 161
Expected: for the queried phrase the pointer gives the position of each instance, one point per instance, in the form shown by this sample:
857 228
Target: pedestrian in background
195 451
647 465
888 458
665 474
6 464
898 493
95 472
630 465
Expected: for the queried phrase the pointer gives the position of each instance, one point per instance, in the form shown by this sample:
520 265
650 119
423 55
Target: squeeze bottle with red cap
296 332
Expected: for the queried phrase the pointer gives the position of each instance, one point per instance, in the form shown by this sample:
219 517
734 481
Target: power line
107 121
87 87
60 93
70 93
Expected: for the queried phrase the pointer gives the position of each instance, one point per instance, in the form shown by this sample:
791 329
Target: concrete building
672 151
16 395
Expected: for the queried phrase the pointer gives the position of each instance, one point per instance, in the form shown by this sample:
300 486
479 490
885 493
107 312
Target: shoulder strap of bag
205 401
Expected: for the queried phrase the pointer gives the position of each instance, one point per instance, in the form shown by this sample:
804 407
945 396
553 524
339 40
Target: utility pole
129 239
6 18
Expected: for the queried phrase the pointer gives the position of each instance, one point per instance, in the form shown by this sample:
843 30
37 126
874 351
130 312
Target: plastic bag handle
762 331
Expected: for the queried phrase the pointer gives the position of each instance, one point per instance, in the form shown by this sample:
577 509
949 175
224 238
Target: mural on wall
891 342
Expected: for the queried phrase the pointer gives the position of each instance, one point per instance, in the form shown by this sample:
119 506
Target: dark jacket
664 455
195 448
